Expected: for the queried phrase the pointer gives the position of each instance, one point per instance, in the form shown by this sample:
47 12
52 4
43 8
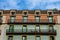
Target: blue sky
29 4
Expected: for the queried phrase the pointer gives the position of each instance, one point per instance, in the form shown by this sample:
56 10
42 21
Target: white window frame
24 14
11 12
49 11
37 11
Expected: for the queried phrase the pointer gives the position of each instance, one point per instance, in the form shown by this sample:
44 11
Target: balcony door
37 18
37 28
25 18
24 28
37 37
12 18
11 28
51 38
10 38
50 19
24 38
51 29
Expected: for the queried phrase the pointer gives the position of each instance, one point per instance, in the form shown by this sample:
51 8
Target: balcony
31 21
30 32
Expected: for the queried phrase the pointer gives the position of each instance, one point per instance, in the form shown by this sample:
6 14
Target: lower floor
30 37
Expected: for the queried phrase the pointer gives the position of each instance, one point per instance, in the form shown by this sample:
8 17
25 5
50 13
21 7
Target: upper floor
30 16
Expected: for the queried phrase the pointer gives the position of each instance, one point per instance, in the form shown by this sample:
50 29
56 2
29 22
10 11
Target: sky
29 4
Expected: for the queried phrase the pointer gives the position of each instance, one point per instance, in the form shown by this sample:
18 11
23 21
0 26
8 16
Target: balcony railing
30 32
40 21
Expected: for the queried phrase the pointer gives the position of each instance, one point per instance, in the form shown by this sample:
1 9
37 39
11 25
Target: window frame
25 27
37 19
10 36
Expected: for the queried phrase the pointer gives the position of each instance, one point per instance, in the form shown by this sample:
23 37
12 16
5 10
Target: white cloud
33 3
52 6
50 1
30 4
10 4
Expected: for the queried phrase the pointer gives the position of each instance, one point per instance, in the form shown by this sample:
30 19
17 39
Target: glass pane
10 38
51 38
37 28
24 19
51 29
37 19
50 19
24 38
11 28
37 38
24 28
12 19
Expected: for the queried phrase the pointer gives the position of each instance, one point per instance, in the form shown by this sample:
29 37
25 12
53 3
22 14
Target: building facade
29 25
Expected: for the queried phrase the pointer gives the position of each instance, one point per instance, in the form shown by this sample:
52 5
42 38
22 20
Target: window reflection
10 38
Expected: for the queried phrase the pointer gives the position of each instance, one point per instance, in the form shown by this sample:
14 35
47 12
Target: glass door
10 38
24 28
24 38
11 28
37 37
37 19
37 28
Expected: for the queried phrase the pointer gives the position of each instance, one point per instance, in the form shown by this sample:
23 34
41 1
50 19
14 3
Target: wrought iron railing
30 30
30 21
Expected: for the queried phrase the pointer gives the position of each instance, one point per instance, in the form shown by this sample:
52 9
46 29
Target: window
37 37
37 28
24 28
25 18
37 13
10 38
13 13
50 18
51 28
12 18
11 28
37 19
24 38
25 13
49 13
51 38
